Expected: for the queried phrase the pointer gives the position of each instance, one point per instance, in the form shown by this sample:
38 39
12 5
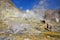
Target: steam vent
18 25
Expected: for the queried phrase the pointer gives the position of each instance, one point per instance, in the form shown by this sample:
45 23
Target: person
48 27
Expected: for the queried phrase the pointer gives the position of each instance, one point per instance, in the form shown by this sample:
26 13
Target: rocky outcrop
53 16
14 18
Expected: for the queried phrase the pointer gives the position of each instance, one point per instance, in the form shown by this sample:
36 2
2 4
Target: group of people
47 25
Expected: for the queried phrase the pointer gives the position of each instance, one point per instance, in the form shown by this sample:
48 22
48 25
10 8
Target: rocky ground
14 26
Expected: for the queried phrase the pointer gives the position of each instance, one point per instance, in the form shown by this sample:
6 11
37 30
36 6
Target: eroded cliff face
14 22
14 18
7 9
7 13
53 17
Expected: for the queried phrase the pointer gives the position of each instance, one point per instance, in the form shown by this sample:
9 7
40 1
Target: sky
30 4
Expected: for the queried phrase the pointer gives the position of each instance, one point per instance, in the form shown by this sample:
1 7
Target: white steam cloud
38 10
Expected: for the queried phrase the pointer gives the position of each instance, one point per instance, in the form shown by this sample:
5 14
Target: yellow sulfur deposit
18 25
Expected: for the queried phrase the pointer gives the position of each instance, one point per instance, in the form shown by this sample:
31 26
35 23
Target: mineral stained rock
14 22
